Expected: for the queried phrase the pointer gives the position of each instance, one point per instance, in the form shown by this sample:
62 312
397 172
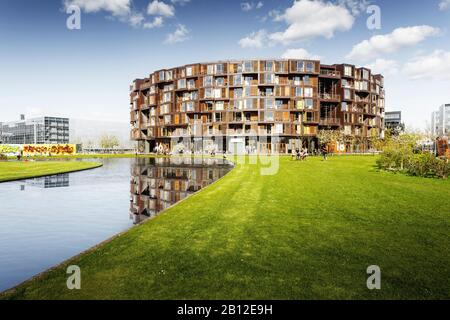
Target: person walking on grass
325 152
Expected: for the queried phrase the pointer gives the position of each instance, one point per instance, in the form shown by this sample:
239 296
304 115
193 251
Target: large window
309 92
309 103
208 81
182 84
269 103
300 66
237 79
348 71
298 91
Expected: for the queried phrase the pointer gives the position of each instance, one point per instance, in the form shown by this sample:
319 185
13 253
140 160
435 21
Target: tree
109 141
326 137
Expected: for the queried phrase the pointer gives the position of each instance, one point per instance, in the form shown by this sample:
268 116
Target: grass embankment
308 232
10 171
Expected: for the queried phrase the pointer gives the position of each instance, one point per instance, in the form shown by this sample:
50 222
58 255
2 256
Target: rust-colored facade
256 106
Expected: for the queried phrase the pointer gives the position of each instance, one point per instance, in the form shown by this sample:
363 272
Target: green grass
13 170
308 232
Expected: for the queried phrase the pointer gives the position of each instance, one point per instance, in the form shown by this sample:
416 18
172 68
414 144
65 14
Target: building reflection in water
159 183
56 181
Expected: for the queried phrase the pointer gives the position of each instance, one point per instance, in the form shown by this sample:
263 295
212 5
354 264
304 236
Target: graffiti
8 149
49 149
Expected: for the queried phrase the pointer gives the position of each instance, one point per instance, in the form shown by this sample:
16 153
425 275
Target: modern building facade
43 130
393 121
440 121
257 106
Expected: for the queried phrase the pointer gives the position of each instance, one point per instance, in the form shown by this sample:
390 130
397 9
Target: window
191 84
167 97
298 91
268 116
208 93
269 78
348 71
219 68
248 80
247 92
182 84
238 93
189 71
248 67
208 81
309 103
237 79
269 103
300 66
365 74
269 92
296 81
218 117
347 94
248 104
220 82
161 76
219 105
308 92
210 69
306 80
344 107
278 128
278 104
310 67
217 93
269 66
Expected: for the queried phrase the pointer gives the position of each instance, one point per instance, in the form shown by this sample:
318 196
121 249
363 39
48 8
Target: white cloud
136 19
444 5
160 8
254 40
356 7
156 23
434 66
118 8
248 6
384 67
392 42
308 19
179 35
299 54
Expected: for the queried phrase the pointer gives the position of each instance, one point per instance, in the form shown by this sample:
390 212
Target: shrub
421 165
3 157
442 168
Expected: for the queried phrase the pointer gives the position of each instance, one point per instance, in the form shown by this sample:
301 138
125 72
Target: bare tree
109 141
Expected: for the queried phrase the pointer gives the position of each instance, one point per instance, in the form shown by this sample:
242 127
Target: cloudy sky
47 68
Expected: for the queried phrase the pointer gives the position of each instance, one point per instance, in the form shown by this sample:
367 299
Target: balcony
325 73
330 97
330 122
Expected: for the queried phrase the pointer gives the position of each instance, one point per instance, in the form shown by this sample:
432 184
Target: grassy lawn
28 169
308 232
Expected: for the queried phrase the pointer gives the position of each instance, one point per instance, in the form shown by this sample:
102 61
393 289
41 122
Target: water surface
45 221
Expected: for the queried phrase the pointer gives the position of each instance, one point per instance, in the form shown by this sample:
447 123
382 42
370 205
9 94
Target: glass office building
43 130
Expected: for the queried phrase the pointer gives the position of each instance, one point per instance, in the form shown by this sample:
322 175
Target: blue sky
46 68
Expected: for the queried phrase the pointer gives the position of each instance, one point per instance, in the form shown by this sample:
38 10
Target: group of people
300 154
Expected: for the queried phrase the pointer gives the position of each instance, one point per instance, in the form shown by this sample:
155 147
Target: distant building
440 121
393 121
42 130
